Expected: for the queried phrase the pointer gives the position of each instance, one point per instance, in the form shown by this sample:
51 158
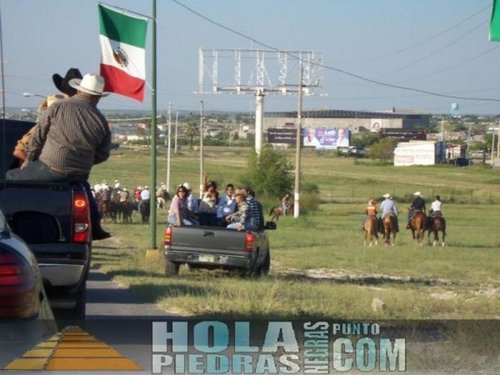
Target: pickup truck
54 220
217 247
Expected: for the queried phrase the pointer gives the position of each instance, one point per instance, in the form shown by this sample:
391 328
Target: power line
341 71
410 47
435 52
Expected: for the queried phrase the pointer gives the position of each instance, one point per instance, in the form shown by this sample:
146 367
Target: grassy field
320 267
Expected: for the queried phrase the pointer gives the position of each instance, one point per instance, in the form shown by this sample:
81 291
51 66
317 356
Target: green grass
320 267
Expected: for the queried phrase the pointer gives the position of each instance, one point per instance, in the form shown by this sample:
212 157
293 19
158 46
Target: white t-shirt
145 194
436 206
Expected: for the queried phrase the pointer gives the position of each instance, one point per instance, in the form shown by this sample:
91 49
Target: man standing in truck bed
69 139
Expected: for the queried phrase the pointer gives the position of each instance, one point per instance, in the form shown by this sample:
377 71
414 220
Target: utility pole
176 130
202 180
498 141
296 203
168 144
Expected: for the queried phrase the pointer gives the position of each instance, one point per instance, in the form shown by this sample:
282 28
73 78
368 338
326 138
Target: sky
426 55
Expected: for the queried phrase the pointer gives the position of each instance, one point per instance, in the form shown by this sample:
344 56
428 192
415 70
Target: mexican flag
495 22
123 43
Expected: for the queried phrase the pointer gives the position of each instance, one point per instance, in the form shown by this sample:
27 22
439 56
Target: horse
162 197
145 209
389 227
436 225
417 226
277 211
370 228
125 209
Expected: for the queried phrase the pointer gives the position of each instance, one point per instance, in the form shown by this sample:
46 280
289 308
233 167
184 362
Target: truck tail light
18 293
81 218
249 240
167 237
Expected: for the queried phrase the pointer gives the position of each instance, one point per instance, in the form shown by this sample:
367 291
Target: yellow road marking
27 364
93 344
38 353
72 349
95 364
86 353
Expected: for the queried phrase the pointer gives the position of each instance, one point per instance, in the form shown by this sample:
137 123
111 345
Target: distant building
355 121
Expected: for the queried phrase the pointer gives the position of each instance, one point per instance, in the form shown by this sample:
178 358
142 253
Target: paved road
106 299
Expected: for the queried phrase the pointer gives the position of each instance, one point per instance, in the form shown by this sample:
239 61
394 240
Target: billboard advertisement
326 138
282 135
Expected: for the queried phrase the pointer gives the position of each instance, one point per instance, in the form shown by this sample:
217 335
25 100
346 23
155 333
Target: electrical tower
258 72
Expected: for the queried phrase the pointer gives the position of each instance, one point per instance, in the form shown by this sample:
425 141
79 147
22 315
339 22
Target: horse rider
418 204
370 210
436 208
145 196
285 204
388 207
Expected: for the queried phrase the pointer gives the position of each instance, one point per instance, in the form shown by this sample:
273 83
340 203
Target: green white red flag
495 22
123 44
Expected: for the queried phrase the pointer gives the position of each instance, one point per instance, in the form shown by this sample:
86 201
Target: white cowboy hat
386 195
417 193
91 83
186 185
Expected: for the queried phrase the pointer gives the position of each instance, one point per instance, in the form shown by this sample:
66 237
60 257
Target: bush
269 174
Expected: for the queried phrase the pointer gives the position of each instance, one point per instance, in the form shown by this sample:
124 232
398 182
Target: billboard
282 135
326 138
404 135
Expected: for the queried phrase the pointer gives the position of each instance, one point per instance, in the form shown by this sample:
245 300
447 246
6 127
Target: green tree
383 150
191 131
269 174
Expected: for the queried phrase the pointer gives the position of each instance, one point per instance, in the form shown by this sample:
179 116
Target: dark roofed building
356 121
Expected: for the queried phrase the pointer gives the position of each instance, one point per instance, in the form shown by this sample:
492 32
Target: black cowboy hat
62 84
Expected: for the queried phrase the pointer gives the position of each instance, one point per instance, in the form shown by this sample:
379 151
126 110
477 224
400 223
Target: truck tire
81 302
256 270
171 269
267 264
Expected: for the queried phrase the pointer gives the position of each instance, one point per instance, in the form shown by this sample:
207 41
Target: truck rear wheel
267 264
171 269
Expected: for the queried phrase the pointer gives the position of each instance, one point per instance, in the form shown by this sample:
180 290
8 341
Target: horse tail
272 210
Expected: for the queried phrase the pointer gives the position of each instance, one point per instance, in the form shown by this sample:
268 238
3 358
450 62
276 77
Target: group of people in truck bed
236 208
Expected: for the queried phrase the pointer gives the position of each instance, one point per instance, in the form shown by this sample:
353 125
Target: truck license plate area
207 258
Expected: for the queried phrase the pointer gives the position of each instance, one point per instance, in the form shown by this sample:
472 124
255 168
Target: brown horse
389 226
277 211
370 228
417 226
437 224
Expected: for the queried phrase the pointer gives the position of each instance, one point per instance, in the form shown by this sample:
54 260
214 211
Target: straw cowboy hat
62 83
386 196
186 185
92 84
418 194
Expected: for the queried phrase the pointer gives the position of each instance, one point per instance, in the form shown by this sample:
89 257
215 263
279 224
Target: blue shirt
388 207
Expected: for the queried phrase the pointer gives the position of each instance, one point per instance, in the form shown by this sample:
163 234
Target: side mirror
270 225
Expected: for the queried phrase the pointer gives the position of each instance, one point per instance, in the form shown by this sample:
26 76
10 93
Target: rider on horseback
388 207
370 210
436 208
418 204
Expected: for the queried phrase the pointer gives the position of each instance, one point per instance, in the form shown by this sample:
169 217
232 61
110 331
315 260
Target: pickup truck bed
53 219
215 247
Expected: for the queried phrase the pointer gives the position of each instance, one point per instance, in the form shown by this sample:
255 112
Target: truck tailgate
208 239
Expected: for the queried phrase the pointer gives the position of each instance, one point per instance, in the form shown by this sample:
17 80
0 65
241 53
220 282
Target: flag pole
152 199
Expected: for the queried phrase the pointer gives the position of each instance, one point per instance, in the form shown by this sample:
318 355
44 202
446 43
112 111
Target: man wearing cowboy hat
418 204
62 83
69 139
388 207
